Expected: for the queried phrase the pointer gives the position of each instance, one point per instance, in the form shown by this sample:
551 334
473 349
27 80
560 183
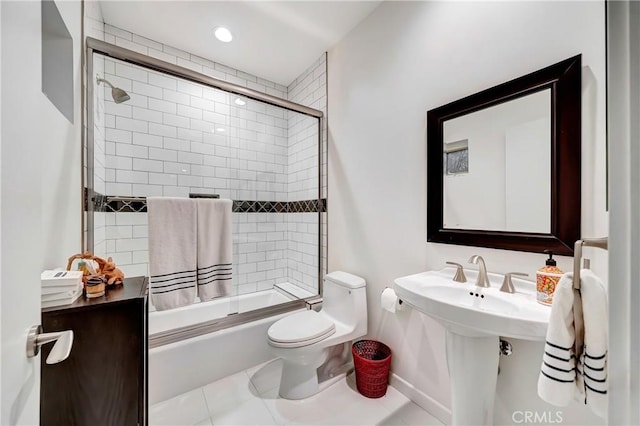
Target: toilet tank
344 298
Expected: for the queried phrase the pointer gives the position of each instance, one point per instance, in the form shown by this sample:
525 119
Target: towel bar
602 243
144 199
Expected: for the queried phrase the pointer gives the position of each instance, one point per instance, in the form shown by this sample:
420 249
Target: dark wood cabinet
104 380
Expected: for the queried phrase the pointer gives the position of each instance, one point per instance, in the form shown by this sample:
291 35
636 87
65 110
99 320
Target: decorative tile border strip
111 206
102 203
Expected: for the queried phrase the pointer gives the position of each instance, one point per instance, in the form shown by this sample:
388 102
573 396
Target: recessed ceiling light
223 34
239 101
220 129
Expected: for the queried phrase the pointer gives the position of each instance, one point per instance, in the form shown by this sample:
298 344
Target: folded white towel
593 383
557 380
215 248
172 251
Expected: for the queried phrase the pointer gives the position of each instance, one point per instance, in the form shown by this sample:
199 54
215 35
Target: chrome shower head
117 93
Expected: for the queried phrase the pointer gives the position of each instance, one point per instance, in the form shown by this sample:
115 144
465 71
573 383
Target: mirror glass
497 167
503 164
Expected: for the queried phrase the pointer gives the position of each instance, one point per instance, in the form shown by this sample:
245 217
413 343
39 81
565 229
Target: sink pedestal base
473 368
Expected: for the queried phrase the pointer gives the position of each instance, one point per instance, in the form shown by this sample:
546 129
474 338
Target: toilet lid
302 327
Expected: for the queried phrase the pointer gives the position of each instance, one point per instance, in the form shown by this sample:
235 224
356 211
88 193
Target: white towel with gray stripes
557 380
172 251
592 369
215 248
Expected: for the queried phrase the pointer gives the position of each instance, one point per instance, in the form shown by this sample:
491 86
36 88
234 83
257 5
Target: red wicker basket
372 362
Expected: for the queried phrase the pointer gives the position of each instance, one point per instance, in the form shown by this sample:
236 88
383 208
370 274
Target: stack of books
60 287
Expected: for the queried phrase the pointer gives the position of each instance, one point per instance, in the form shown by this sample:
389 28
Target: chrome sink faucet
483 279
459 277
507 284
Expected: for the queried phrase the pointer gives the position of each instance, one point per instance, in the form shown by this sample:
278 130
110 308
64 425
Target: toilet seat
301 329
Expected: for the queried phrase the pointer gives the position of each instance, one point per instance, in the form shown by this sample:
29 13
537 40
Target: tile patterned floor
251 398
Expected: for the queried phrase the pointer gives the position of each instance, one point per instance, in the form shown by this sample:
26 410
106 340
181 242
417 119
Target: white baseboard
429 404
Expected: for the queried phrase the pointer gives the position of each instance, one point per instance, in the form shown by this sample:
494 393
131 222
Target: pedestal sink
475 318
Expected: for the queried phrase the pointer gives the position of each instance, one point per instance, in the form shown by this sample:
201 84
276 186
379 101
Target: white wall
403 60
40 194
61 169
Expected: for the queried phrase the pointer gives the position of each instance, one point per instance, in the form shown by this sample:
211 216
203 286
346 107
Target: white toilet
303 339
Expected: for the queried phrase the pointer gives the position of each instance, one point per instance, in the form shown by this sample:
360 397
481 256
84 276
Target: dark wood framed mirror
503 165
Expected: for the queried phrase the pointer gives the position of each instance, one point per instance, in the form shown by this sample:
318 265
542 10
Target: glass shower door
173 137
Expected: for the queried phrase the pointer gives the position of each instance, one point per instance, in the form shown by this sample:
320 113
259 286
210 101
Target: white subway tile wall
310 89
174 137
259 250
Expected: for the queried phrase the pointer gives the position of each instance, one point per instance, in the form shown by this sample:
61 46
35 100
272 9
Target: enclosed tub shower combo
157 129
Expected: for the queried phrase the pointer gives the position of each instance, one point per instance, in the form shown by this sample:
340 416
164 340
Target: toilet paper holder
400 301
390 304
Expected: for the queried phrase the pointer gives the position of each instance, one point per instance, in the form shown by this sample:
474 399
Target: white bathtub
179 367
160 321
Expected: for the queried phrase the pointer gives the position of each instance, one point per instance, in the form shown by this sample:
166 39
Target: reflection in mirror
498 167
456 157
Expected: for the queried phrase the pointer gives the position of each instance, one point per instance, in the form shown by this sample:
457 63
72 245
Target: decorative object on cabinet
112 274
95 287
60 287
104 380
105 268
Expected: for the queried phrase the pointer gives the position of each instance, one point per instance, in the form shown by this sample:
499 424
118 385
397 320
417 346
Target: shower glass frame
116 52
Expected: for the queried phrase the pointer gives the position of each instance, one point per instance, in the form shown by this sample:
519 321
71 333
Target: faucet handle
507 284
459 277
